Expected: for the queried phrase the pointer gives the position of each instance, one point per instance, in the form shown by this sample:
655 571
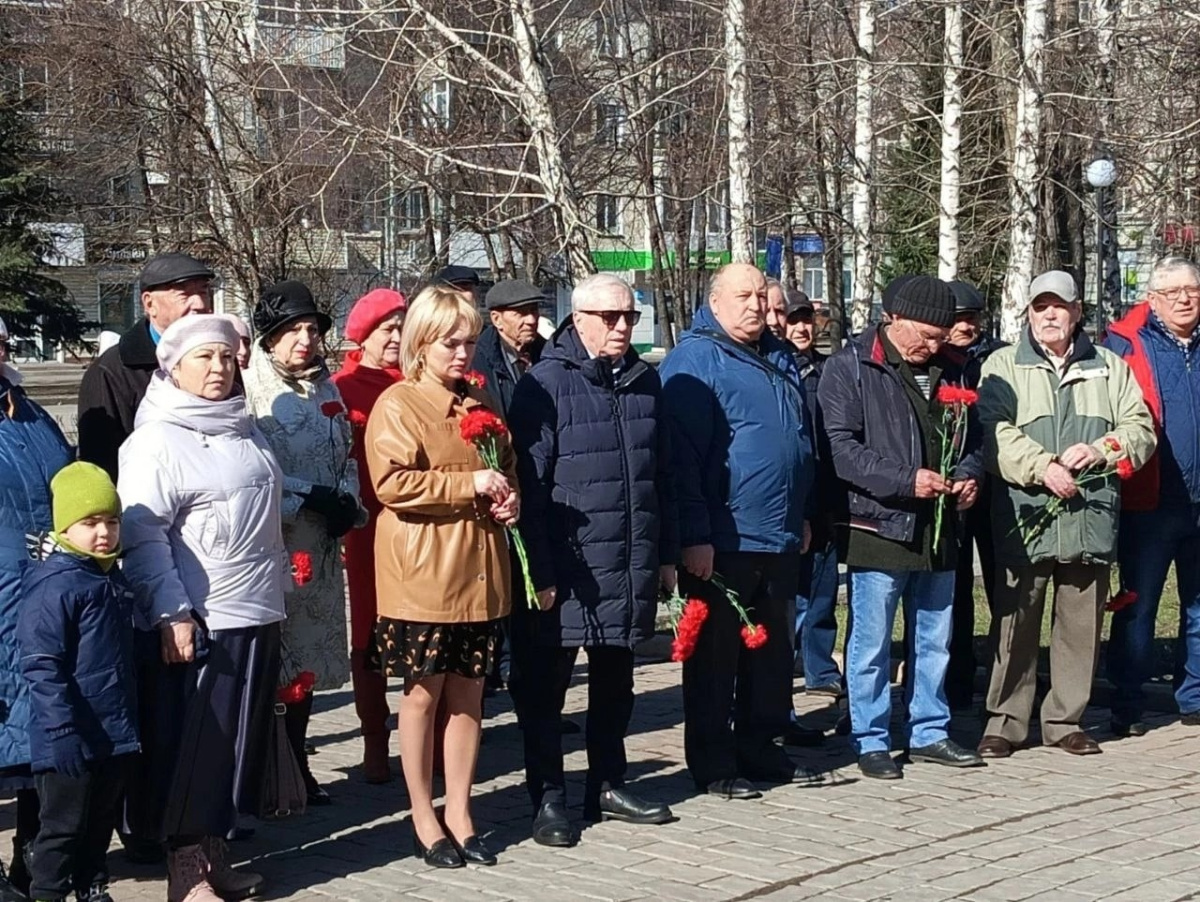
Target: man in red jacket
1160 506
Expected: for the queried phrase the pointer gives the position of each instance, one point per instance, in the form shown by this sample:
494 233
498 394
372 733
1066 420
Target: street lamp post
1101 174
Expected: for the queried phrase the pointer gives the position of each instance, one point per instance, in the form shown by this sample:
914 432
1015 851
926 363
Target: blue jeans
816 623
1150 541
928 602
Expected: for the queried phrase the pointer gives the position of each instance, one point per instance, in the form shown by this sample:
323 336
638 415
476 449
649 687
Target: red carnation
1125 468
358 418
479 424
307 679
969 396
687 631
475 378
302 571
754 636
291 694
1111 444
332 408
947 394
1121 600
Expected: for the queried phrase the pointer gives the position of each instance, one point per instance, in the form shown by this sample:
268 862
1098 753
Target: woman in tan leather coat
441 562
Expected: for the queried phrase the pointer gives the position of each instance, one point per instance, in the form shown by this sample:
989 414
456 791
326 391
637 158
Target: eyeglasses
612 317
1175 295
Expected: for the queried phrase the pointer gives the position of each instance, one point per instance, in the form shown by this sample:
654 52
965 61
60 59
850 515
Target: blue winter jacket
740 444
76 636
598 499
32 450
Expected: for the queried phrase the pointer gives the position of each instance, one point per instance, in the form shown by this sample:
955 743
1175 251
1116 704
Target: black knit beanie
921 298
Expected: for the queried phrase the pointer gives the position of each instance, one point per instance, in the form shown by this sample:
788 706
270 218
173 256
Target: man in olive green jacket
1058 413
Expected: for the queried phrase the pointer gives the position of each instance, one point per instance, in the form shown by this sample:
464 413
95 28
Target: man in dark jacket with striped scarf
601 525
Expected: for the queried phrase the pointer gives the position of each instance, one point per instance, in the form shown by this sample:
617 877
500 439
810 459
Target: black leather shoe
1135 728
785 771
442 854
619 804
473 851
732 788
801 737
317 797
1190 719
878 766
947 752
552 827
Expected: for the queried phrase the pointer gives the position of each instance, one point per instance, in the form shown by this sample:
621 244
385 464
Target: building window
281 108
115 311
437 104
605 37
412 210
718 213
610 124
608 214
29 84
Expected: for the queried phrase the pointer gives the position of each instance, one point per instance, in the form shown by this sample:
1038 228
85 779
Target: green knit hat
81 490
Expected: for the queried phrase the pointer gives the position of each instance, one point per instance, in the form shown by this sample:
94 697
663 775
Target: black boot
18 872
296 721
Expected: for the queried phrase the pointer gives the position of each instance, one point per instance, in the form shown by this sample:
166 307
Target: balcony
304 45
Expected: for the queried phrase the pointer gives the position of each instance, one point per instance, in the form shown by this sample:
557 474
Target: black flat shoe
473 851
878 766
619 804
947 752
735 788
552 827
1134 728
442 854
318 797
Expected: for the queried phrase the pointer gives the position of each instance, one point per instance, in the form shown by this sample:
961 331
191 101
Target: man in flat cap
878 403
173 285
509 345
1054 407
462 278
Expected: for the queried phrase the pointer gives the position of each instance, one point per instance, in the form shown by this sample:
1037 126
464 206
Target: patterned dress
304 419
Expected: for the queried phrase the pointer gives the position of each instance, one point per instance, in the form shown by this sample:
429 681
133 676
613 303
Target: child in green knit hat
75 630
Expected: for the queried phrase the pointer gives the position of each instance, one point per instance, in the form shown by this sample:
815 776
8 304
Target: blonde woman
441 563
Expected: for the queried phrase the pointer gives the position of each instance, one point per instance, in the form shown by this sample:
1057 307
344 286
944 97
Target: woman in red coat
374 325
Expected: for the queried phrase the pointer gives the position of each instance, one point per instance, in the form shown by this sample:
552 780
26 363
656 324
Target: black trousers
960 673
538 685
78 814
724 677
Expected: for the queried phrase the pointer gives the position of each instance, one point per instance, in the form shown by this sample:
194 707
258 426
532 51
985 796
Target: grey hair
1168 265
775 283
594 284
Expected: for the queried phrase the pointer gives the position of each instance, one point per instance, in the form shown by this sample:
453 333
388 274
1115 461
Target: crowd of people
172 592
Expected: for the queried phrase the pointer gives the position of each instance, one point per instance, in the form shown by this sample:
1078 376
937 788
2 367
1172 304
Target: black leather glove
341 521
323 500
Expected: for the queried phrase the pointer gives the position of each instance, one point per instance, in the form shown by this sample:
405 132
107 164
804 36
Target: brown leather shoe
994 747
1079 743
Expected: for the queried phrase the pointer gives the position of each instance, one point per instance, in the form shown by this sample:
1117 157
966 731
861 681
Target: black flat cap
967 298
513 293
457 276
167 269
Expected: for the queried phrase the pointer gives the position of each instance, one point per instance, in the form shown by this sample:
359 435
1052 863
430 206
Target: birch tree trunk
1023 172
556 177
952 100
737 93
863 208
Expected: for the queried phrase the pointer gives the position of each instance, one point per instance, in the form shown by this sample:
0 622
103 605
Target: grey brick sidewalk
1043 825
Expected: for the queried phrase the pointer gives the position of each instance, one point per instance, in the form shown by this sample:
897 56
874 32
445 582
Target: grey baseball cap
1056 282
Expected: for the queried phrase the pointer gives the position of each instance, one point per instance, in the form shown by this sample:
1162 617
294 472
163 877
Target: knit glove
67 751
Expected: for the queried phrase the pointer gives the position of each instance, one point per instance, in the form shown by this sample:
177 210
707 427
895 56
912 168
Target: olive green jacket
1030 415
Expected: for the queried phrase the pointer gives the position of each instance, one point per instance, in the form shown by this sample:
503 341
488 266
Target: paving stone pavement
1042 825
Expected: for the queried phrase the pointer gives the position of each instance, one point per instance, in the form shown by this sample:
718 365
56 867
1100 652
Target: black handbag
283 791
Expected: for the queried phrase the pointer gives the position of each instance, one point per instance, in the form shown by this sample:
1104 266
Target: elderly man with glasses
1160 506
878 401
601 525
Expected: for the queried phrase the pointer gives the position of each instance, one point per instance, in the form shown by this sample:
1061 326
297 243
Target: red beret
370 310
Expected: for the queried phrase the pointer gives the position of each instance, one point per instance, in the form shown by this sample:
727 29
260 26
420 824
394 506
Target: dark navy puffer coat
32 450
598 500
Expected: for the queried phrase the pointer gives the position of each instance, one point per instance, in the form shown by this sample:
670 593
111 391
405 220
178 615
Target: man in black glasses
600 520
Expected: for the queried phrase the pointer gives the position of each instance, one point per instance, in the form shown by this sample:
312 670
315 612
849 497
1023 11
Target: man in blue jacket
1160 505
878 399
743 466
601 524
